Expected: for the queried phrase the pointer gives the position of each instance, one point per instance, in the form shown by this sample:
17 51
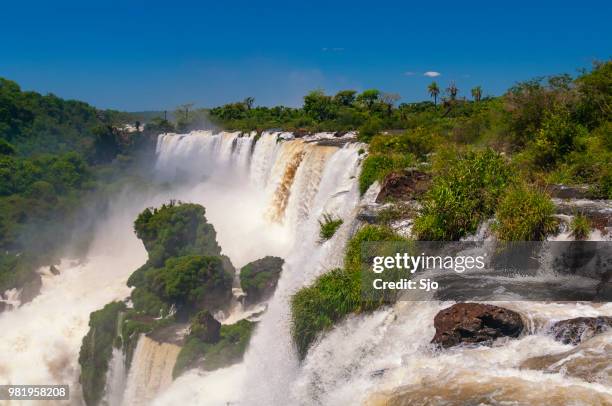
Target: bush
335 294
228 350
524 215
176 229
376 167
328 226
463 194
96 351
258 278
580 227
193 281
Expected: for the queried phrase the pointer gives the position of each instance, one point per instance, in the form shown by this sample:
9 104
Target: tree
248 102
184 109
369 97
477 93
434 91
389 99
318 105
452 91
345 97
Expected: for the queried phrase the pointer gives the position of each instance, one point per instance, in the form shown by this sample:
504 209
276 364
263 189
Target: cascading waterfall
150 372
265 195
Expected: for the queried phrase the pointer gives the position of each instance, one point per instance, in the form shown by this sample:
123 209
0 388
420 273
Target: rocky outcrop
403 185
205 327
258 279
574 331
31 289
475 323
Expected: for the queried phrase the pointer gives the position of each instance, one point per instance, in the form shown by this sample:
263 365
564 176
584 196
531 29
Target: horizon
149 57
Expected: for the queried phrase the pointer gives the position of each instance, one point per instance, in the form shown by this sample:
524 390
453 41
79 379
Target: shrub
580 227
463 194
369 129
328 226
228 350
376 167
193 281
258 278
176 229
96 351
524 215
418 142
335 294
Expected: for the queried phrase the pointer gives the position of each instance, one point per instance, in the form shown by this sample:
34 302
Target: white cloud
432 74
409 73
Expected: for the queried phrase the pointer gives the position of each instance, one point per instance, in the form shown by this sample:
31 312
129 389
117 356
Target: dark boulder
258 279
403 185
54 270
475 323
205 327
574 331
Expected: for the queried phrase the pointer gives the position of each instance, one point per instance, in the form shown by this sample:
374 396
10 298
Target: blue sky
146 55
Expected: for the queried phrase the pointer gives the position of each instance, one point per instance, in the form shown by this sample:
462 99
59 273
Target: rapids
264 196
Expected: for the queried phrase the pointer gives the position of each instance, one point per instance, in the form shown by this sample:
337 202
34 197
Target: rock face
404 185
574 331
474 323
206 327
31 289
258 279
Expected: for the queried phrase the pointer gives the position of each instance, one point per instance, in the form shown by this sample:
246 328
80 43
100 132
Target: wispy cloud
409 73
337 49
432 74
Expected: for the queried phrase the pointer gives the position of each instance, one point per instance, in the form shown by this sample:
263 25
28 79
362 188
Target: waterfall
150 372
300 181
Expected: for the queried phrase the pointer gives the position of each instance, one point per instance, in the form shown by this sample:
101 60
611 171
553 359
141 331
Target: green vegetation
465 191
56 157
228 350
96 351
335 294
580 227
328 226
176 230
524 215
258 278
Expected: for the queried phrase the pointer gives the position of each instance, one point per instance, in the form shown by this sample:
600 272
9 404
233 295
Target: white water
260 206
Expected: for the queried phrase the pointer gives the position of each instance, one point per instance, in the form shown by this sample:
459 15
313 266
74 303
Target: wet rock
589 361
258 279
473 388
54 270
574 331
403 185
475 323
31 289
3 306
205 327
569 192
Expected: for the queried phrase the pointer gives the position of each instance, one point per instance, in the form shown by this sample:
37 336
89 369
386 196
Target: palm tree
248 102
434 91
477 93
452 91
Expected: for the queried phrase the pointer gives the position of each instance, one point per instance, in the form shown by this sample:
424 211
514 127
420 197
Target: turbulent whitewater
265 195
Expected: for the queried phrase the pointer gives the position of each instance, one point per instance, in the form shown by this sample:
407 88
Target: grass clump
336 294
524 215
465 192
580 227
329 226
